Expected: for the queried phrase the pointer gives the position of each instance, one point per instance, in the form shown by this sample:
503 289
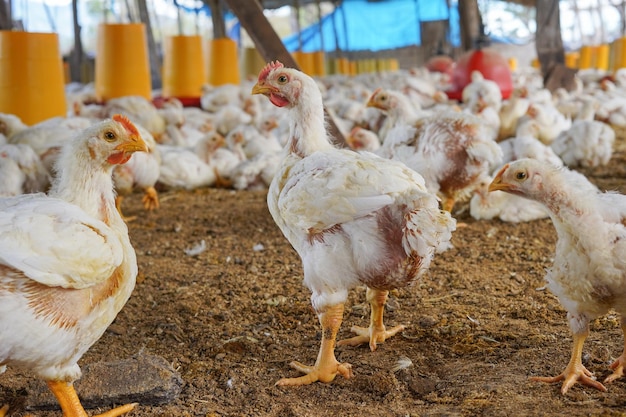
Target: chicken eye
282 79
109 136
521 175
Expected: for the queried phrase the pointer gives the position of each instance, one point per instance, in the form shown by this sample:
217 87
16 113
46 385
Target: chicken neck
307 128
81 182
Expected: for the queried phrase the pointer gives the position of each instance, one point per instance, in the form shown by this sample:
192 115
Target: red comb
270 66
128 125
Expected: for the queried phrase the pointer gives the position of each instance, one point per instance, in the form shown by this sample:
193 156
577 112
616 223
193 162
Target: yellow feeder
620 55
342 66
512 61
223 63
32 84
602 57
252 63
586 60
318 63
615 54
305 61
184 70
571 59
122 64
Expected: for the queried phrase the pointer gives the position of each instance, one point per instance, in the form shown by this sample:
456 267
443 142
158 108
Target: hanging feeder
32 82
489 63
122 65
223 63
184 70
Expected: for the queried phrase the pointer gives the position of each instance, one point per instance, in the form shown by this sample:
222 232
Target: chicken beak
134 144
497 184
261 89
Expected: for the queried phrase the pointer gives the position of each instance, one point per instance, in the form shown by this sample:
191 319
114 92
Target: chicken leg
618 365
118 206
575 370
70 404
3 410
376 333
150 199
326 366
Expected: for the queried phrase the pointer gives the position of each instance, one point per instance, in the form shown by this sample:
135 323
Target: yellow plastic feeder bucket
319 65
602 57
32 81
253 62
615 54
223 65
122 65
586 60
620 61
571 60
305 61
184 70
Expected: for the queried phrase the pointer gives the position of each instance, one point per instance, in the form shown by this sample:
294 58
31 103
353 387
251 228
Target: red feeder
440 63
491 64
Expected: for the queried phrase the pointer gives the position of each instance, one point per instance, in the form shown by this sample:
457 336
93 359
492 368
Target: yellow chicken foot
150 199
3 410
326 366
618 365
575 370
376 333
118 206
71 406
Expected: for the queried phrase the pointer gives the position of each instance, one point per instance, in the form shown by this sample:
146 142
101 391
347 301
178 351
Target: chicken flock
370 207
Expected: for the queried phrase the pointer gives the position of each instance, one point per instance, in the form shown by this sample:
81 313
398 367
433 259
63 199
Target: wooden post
549 46
269 45
77 55
6 20
155 61
469 19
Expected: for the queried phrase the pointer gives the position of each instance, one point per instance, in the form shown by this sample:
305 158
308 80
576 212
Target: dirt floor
231 318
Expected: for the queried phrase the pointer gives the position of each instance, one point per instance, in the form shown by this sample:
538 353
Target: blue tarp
375 25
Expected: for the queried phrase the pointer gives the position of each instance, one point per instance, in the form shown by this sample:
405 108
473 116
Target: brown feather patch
268 68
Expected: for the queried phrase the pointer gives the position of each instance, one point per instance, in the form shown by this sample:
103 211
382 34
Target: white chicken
140 110
13 177
36 177
480 88
354 218
453 151
397 107
486 205
361 139
67 266
550 121
587 143
140 172
588 274
510 112
526 145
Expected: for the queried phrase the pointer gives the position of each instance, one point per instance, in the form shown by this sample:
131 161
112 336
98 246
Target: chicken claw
376 333
150 199
326 366
325 372
575 370
373 335
70 404
570 377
